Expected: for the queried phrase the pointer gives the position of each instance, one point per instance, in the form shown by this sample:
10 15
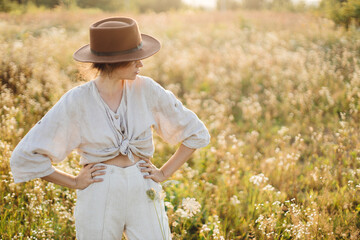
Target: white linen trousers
104 210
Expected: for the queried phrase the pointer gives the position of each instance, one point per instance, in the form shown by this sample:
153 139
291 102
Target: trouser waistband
130 170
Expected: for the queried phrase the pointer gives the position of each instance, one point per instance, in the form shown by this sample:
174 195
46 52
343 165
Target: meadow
279 93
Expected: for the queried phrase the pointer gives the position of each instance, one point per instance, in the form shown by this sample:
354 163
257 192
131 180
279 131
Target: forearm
61 178
177 160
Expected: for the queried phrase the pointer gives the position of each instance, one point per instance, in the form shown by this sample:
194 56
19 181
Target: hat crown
113 24
114 35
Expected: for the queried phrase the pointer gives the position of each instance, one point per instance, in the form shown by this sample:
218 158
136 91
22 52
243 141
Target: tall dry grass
279 93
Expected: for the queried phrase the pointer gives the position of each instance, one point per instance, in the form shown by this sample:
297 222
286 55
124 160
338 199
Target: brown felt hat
116 39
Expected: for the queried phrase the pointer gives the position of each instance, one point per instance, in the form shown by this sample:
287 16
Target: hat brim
149 48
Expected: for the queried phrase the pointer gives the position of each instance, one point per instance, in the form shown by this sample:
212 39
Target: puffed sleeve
51 139
174 122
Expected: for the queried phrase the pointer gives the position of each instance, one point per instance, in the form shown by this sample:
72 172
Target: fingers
93 165
148 165
152 173
146 160
95 171
149 170
149 176
90 174
97 180
155 177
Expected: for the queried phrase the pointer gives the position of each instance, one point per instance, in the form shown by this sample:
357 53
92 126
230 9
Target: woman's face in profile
129 72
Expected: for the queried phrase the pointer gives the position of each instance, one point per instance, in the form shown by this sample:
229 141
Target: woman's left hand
154 173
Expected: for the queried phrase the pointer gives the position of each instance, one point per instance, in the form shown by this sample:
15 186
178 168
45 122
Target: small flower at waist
151 193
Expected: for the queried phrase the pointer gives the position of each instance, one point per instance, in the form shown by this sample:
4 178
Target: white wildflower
234 200
270 160
191 206
169 205
278 203
258 179
269 188
205 228
283 130
181 213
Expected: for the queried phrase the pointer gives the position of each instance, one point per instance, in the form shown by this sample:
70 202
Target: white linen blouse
82 120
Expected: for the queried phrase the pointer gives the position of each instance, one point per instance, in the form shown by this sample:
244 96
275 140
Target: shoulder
78 93
147 87
74 97
150 91
150 87
147 83
157 96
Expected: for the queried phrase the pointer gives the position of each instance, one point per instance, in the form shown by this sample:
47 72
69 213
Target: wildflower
209 185
169 205
283 130
182 213
170 182
234 200
276 203
270 160
216 231
205 228
162 194
191 206
151 193
268 188
258 179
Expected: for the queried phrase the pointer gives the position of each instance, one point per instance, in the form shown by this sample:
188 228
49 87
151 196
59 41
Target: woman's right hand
87 175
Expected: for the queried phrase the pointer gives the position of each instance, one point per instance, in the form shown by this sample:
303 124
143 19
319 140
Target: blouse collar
101 101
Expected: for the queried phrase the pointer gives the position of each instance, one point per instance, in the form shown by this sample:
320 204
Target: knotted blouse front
82 120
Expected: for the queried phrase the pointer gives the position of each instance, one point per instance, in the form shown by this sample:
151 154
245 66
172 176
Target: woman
109 121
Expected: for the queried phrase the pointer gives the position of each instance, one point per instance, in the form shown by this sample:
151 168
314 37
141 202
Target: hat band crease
138 47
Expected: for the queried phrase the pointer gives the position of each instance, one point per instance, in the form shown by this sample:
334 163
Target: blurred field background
279 92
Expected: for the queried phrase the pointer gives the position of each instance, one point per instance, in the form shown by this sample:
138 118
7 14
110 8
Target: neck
109 86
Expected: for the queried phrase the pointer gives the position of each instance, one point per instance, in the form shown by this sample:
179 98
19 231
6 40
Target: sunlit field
279 93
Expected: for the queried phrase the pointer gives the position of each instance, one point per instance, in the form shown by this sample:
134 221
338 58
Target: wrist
165 176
